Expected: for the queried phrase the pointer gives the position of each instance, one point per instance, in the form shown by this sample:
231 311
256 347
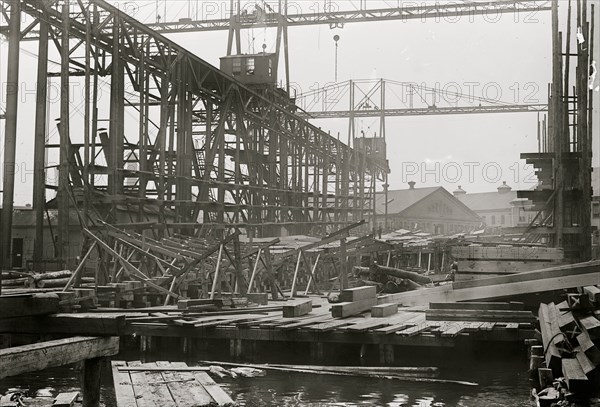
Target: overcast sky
510 53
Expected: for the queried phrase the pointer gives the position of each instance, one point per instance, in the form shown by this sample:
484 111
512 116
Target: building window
270 67
596 210
502 219
521 215
250 66
236 68
493 219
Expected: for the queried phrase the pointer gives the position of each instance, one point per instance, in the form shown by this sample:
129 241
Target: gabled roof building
433 210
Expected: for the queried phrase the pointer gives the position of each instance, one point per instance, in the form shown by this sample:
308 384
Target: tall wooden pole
64 127
39 160
10 133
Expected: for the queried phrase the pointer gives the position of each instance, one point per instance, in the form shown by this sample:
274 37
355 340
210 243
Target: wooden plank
347 309
384 310
479 315
329 326
567 324
358 294
36 304
551 272
297 308
452 330
471 305
487 326
586 364
416 326
588 347
123 386
367 325
500 266
552 354
557 278
591 325
215 391
576 379
305 322
66 399
149 387
593 293
522 253
183 386
40 356
404 320
186 304
82 324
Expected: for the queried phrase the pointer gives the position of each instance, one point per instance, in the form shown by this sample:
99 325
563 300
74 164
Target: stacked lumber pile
477 261
566 366
512 313
354 301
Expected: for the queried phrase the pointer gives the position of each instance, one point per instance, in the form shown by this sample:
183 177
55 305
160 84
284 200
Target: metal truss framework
407 10
205 147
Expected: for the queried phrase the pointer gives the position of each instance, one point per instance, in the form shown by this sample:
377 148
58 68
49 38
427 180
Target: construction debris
570 360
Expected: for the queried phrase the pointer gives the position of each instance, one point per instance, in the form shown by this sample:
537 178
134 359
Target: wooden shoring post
216 276
39 170
172 289
296 269
87 112
312 276
94 101
92 369
122 269
271 275
116 134
254 270
116 263
143 89
429 261
337 279
64 131
343 265
80 267
237 257
389 258
128 266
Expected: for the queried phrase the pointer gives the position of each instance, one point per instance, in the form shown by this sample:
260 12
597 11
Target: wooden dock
165 384
409 326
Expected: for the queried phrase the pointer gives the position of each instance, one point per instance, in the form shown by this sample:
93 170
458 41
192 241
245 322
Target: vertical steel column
10 133
64 126
39 153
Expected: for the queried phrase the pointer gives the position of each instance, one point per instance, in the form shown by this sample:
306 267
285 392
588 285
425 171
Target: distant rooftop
401 199
482 201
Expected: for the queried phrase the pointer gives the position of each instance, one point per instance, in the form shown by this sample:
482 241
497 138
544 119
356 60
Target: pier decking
414 326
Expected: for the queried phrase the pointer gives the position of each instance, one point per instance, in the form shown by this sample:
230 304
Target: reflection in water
503 382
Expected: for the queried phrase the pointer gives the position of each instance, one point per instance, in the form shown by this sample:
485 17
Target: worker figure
453 271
